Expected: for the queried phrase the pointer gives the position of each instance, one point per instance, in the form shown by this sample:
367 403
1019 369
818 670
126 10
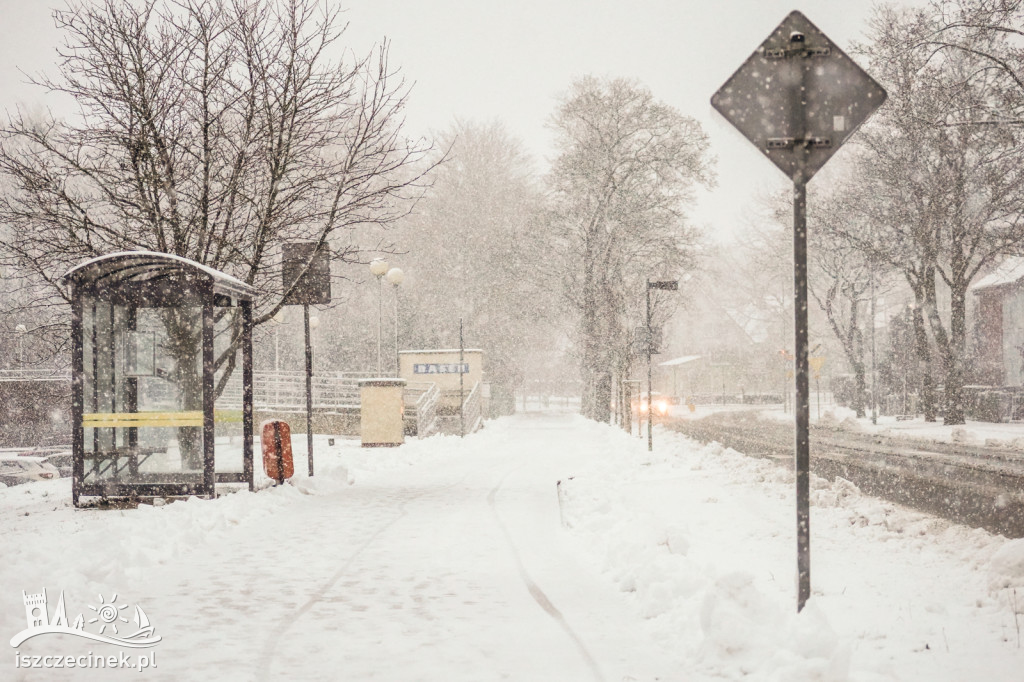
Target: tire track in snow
538 594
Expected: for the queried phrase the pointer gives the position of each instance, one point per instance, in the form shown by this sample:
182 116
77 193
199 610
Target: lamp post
665 285
395 276
276 322
21 330
379 267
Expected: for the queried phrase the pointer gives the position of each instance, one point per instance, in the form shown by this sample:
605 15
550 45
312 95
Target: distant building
1000 324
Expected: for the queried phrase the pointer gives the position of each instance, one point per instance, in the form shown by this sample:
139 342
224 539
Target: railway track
972 485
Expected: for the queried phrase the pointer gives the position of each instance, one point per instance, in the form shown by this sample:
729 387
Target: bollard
561 502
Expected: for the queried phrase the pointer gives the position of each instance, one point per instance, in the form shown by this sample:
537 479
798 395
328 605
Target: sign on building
441 368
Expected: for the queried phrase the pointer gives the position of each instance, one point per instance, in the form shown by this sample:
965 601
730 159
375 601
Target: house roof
679 361
1010 271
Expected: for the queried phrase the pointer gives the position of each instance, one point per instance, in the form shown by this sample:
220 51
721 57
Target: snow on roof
679 361
142 265
442 350
1010 271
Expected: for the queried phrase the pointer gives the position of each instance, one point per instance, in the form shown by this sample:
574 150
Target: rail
286 391
471 406
421 400
35 375
333 391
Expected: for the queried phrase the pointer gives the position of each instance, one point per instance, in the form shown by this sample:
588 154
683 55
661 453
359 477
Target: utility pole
650 348
665 285
462 388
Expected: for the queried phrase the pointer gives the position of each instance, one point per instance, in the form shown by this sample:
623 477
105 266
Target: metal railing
332 391
421 399
35 375
471 409
286 391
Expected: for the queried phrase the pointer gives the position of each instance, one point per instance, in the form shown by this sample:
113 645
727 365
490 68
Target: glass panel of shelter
227 408
143 393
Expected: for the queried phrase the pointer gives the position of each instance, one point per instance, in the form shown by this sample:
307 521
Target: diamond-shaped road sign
798 98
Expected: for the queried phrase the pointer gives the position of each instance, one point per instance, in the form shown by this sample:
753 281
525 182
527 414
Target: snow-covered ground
458 559
994 434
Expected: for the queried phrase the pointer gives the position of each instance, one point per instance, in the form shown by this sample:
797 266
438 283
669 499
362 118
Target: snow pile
1007 435
961 434
829 419
689 532
1006 571
719 615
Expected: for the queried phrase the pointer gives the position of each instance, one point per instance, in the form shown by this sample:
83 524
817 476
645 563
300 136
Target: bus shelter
161 405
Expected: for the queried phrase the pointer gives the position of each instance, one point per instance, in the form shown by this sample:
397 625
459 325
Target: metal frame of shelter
110 296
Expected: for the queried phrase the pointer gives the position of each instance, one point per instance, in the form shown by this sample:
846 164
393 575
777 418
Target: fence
286 391
273 393
35 375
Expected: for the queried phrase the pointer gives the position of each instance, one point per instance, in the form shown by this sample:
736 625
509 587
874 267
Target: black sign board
313 287
798 98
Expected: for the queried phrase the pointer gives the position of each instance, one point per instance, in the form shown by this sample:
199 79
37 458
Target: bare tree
946 198
624 174
990 33
476 250
211 129
842 281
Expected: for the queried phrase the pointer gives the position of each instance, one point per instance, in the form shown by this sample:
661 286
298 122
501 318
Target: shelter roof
147 266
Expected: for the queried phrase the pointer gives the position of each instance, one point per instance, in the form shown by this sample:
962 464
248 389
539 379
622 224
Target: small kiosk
382 413
158 406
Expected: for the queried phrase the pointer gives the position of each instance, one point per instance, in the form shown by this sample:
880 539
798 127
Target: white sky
510 61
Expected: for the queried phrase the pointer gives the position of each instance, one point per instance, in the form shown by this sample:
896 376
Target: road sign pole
799 128
802 407
309 388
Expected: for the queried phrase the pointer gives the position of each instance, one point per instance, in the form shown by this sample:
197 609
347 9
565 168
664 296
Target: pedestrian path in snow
457 559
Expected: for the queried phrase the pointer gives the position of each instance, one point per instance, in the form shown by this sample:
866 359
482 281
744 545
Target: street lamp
395 276
665 285
379 266
276 321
